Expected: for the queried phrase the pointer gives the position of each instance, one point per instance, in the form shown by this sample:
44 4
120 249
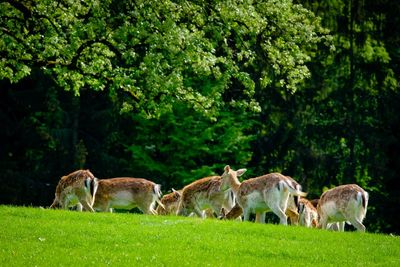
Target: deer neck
234 184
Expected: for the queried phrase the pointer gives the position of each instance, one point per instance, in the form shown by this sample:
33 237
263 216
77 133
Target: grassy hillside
37 237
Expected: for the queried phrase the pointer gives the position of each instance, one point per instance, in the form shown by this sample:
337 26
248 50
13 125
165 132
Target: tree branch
89 43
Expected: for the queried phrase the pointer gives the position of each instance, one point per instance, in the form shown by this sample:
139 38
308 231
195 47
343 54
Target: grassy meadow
39 237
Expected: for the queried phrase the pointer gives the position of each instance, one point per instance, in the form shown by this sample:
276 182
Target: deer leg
360 227
323 222
153 212
79 206
246 214
65 203
282 216
147 209
217 209
199 212
341 226
87 206
260 217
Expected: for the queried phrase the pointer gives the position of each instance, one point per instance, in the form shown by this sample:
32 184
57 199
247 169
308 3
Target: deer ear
240 172
227 168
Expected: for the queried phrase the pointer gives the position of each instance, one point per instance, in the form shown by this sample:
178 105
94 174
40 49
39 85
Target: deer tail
293 189
91 185
362 198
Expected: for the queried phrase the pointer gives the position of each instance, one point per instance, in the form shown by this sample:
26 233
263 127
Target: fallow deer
258 195
292 208
308 215
343 203
127 193
170 203
76 189
234 213
203 194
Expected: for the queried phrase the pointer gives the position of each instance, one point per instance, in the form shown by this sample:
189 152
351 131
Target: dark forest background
172 91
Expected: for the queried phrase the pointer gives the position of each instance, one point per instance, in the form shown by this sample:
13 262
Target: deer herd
223 197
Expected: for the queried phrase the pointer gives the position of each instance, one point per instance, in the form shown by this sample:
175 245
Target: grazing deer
258 195
341 204
234 213
308 215
76 189
205 194
127 193
170 203
292 208
314 217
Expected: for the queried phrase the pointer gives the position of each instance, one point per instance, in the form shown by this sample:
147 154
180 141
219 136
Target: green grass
38 237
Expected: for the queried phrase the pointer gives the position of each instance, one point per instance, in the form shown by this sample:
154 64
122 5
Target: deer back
202 189
80 186
340 196
261 183
125 189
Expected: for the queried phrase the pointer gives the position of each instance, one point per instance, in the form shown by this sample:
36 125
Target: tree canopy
150 55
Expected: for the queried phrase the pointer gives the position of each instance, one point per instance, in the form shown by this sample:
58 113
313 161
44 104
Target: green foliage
49 238
184 145
159 53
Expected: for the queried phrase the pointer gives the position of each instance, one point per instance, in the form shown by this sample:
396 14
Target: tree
149 55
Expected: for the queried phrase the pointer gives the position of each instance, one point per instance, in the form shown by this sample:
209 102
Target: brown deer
127 193
76 189
345 203
170 203
308 215
234 213
203 194
260 194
